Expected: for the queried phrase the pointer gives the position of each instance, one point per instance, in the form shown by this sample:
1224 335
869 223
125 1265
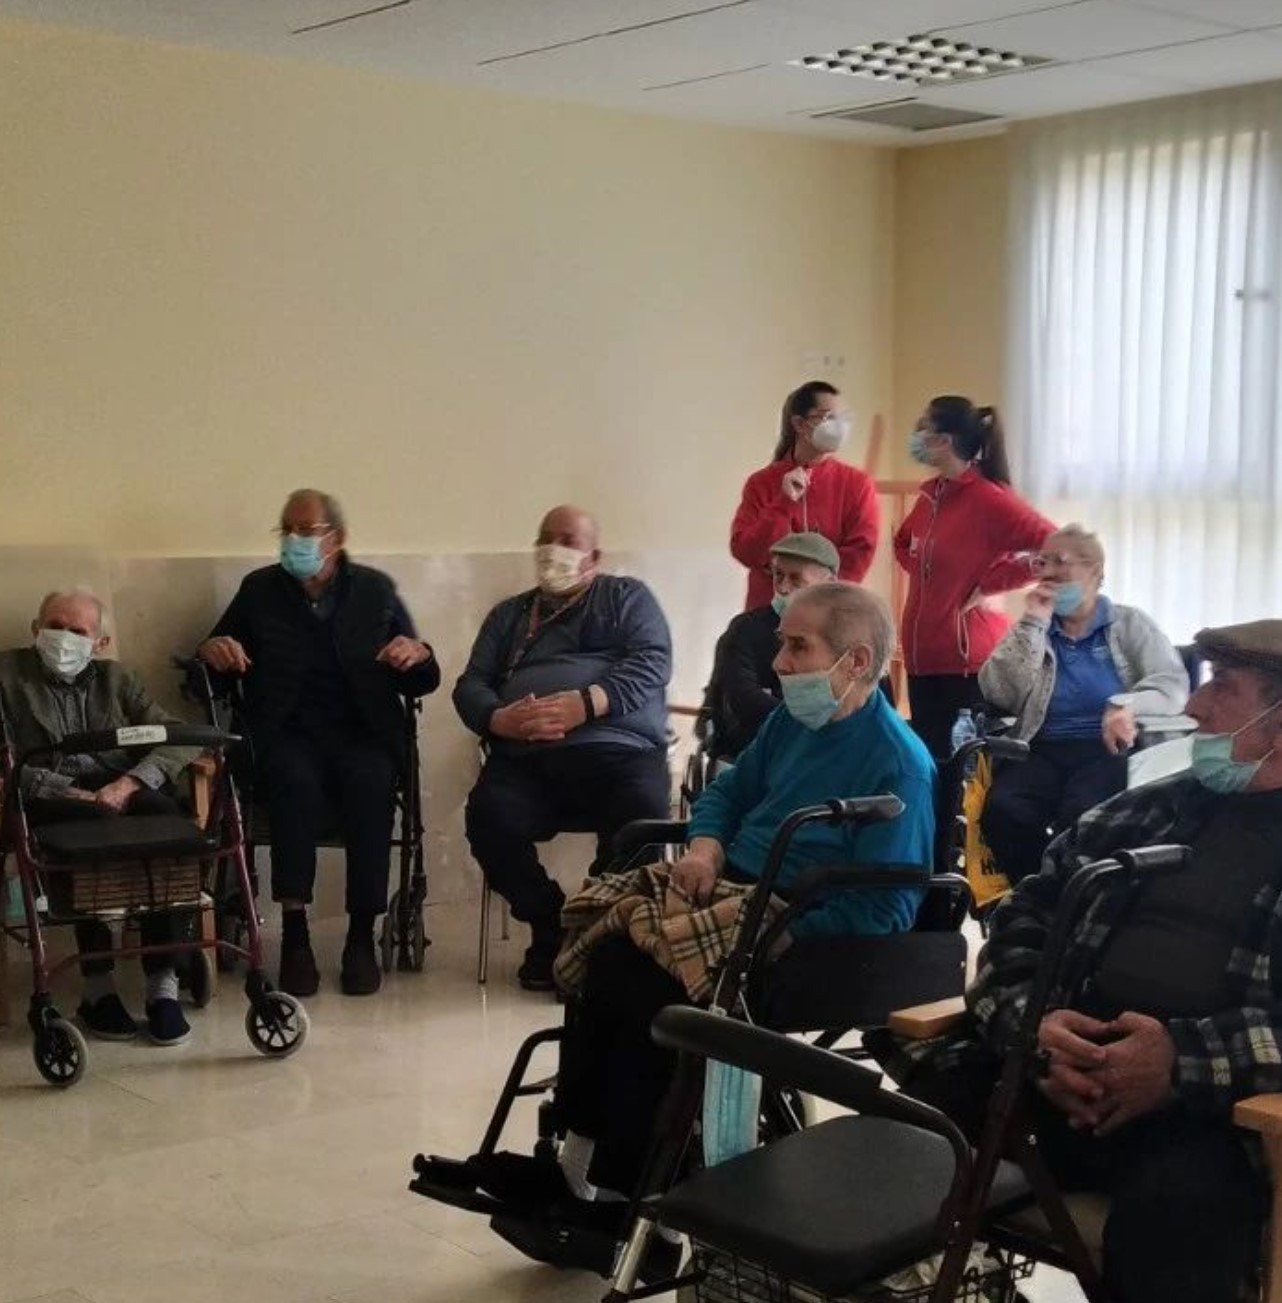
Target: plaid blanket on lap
685 940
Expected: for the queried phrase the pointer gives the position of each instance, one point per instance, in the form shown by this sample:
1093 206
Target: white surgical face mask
559 569
63 652
830 433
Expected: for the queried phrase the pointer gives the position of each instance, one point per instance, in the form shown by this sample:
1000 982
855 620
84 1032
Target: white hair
853 616
79 593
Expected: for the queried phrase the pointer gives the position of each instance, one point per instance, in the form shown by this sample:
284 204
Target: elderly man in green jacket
56 687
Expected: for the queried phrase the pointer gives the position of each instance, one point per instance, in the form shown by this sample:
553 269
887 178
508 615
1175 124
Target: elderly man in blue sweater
566 685
835 736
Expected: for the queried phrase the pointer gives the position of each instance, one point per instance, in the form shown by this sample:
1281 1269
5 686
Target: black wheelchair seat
833 1206
140 837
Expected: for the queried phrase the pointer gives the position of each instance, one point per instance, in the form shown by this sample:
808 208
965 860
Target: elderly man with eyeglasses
326 648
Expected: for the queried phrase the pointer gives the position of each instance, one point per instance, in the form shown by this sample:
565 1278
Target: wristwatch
589 706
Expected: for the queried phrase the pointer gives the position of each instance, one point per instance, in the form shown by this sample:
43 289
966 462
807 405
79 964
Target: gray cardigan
1019 677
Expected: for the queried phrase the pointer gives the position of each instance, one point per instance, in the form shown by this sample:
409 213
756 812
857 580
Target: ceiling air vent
910 115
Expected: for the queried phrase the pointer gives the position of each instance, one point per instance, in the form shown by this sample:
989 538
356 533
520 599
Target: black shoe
360 973
166 1024
107 1019
535 972
519 1178
299 975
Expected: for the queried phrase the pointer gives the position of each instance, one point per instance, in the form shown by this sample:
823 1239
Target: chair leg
505 921
1272 1292
483 945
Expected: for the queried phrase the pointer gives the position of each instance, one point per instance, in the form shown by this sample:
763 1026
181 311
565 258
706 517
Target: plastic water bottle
964 730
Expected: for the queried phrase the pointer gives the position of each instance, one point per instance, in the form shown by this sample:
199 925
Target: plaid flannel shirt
1226 1057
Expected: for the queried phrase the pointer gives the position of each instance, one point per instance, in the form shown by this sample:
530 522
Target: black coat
271 619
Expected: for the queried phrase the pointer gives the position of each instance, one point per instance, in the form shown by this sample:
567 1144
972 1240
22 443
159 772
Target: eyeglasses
1054 560
303 531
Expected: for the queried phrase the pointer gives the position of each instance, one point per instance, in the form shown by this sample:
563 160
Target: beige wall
950 276
222 276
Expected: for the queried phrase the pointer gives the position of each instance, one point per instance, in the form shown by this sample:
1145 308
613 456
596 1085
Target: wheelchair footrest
451 1181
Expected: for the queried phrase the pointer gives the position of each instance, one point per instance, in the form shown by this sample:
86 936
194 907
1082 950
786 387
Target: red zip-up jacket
962 534
841 504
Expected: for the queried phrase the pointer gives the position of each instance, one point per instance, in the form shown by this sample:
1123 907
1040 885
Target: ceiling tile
1087 30
1227 61
1246 14
1061 89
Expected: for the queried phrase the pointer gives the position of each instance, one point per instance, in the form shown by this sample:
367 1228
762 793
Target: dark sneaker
108 1019
360 973
166 1024
535 972
299 975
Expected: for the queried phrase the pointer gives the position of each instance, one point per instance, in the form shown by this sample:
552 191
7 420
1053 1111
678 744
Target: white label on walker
141 735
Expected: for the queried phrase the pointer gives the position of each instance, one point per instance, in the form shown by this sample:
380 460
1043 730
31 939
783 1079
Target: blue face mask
809 698
301 557
1068 597
917 448
1213 763
731 1109
779 603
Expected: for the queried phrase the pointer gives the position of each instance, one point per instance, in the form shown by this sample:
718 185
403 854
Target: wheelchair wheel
418 942
277 1025
60 1052
387 933
200 978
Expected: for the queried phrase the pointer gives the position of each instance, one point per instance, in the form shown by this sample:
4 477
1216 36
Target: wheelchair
796 994
403 938
126 866
847 1207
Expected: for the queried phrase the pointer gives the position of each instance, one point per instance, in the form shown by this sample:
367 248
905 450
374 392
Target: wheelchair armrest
200 775
815 883
1261 1114
923 1022
640 833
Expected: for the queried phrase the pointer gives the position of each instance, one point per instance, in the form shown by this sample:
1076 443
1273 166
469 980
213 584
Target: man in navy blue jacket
327 649
566 685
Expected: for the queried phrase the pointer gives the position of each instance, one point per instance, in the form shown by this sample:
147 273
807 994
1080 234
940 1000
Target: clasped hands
1104 1074
539 719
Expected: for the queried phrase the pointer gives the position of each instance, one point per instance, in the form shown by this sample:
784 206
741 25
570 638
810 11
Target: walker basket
724 1278
129 887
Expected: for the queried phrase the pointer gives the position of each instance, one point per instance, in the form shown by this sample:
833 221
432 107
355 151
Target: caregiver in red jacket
968 536
805 489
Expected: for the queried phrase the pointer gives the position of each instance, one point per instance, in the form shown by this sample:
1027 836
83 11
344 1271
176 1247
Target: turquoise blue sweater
787 766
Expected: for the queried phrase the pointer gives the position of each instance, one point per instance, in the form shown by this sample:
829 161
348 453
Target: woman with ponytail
805 489
967 537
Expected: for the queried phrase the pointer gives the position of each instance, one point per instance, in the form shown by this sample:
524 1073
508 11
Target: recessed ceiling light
918 59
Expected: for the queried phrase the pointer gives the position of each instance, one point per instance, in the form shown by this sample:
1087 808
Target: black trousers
934 700
93 935
315 782
1060 781
519 801
613 1077
1187 1206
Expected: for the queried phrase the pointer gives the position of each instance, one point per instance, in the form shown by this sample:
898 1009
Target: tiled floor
207 1174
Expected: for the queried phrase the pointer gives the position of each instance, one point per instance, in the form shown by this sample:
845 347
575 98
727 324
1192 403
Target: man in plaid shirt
1167 1009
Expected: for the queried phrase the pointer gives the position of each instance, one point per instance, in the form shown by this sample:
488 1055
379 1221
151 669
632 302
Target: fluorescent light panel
919 61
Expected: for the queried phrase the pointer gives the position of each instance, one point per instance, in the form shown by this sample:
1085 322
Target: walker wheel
60 1052
276 1025
200 978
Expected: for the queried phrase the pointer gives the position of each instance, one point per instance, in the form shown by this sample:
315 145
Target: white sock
162 986
98 986
575 1156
